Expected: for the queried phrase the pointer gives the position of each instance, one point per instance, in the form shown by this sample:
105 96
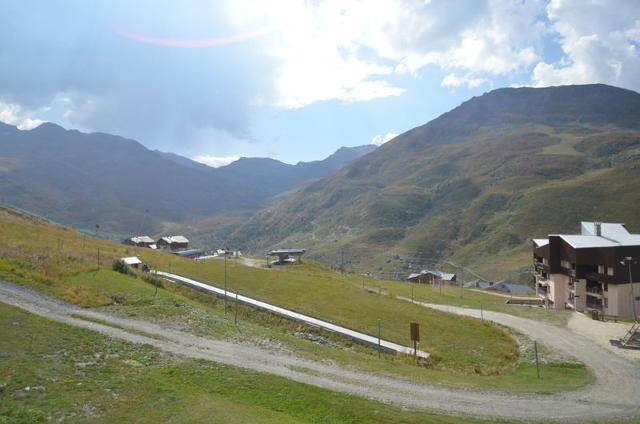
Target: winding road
615 393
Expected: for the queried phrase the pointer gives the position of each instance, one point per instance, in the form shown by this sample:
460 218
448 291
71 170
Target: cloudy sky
293 79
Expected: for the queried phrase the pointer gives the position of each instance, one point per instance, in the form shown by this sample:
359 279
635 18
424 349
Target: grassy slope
477 201
53 372
466 352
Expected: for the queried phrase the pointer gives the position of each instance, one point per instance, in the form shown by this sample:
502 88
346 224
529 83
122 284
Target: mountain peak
559 106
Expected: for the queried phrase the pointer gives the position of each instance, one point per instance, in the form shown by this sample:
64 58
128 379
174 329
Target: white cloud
216 161
14 114
9 113
30 123
600 41
379 140
455 81
349 50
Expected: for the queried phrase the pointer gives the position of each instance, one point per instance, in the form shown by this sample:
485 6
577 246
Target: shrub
120 266
153 280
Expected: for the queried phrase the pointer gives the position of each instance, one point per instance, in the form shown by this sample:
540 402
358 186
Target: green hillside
465 352
472 186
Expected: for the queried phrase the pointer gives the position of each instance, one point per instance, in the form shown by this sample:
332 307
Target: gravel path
614 394
602 332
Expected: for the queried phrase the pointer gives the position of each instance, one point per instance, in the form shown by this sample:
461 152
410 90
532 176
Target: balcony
594 303
543 293
594 290
591 275
539 267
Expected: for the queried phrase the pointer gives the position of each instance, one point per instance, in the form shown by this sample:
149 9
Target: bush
120 266
153 280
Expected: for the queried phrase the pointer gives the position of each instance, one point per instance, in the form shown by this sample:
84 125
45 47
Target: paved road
614 395
325 325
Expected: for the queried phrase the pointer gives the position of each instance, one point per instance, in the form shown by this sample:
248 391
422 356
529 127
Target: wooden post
414 332
481 313
535 348
156 283
411 292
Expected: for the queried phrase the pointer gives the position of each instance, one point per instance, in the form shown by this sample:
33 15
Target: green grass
465 352
51 372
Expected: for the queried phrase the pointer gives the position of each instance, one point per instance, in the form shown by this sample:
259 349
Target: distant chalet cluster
436 277
178 245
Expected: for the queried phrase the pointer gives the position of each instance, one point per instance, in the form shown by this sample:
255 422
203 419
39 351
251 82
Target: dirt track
614 395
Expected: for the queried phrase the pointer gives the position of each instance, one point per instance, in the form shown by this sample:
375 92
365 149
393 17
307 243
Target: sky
293 80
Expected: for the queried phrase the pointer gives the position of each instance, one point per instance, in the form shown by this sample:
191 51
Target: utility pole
461 282
629 259
225 282
535 348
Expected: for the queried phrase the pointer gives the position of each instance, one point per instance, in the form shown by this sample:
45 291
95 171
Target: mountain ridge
88 179
454 187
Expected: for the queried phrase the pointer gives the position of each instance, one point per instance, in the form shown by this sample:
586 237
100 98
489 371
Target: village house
287 255
427 276
141 241
596 270
173 242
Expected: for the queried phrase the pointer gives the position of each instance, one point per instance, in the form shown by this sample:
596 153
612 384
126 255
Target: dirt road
614 394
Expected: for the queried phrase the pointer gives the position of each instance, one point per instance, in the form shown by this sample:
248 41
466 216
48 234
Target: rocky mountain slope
472 186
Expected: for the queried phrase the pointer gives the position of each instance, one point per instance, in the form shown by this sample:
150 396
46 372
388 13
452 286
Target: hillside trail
614 394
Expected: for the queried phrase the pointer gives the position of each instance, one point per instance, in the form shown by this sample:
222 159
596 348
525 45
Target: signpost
414 329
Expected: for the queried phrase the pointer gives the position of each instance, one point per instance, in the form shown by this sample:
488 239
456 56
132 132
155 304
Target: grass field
465 352
52 372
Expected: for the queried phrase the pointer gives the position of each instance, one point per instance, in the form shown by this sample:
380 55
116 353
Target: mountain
471 186
87 179
273 176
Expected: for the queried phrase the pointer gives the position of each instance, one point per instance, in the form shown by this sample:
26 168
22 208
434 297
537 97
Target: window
544 261
606 287
609 270
565 264
600 269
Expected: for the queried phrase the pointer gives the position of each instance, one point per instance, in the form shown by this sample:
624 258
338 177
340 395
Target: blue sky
289 79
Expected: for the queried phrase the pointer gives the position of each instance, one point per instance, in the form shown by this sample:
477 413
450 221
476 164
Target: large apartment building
595 270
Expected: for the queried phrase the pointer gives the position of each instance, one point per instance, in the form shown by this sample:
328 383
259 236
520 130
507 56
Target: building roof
189 252
131 260
142 239
478 284
442 275
508 286
175 239
611 235
293 251
613 231
540 242
588 241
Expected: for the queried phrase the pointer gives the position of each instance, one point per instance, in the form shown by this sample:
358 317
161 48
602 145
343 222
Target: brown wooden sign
415 331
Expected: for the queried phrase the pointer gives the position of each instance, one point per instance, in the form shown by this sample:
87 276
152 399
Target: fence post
379 342
535 348
236 317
